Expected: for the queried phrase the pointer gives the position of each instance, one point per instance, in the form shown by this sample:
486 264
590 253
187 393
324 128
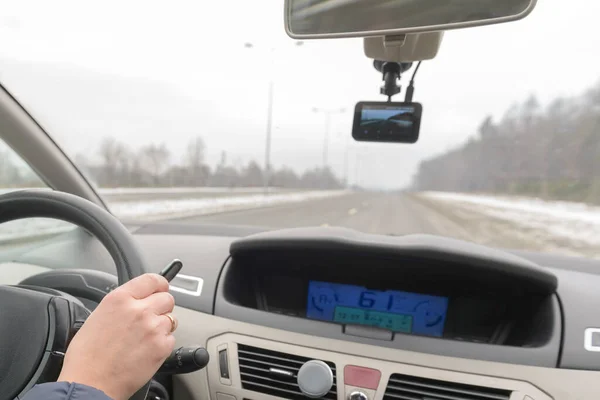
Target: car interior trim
181 283
523 380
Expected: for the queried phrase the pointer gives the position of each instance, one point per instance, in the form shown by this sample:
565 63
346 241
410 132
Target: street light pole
326 139
267 168
346 163
328 114
267 173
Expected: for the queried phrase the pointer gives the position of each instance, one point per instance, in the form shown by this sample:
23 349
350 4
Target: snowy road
504 222
511 223
160 204
524 223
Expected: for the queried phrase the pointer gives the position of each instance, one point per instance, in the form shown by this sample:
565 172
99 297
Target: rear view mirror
387 122
305 19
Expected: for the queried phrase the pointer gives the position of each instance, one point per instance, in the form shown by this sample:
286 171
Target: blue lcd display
405 312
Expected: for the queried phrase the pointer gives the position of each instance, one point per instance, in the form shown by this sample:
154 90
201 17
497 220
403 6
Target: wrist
97 384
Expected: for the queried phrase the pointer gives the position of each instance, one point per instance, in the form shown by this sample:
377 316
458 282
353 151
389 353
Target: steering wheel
36 326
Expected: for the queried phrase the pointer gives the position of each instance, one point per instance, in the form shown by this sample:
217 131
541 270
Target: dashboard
392 310
415 317
353 290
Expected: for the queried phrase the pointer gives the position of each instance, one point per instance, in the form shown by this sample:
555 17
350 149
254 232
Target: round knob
315 379
357 396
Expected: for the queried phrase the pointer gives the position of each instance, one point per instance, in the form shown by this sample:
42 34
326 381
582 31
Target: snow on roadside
184 207
186 190
147 210
570 221
177 190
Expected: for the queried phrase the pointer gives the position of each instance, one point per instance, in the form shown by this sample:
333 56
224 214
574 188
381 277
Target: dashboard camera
387 122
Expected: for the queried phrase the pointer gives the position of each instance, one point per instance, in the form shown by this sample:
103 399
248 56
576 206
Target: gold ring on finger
173 322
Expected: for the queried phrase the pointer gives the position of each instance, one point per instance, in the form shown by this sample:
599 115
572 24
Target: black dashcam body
387 122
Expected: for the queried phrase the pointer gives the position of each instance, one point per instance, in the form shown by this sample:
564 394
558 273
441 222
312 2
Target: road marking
352 211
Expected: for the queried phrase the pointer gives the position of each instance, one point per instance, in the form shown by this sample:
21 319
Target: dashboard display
394 310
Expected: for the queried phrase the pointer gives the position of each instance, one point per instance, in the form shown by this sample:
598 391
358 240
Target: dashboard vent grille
404 387
274 373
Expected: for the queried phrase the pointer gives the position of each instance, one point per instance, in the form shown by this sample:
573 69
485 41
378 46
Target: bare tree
150 166
195 152
252 175
114 159
194 157
285 177
154 160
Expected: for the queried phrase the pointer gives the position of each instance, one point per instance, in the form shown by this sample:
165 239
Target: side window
16 174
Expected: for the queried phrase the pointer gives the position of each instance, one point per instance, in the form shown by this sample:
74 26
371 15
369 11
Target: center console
253 368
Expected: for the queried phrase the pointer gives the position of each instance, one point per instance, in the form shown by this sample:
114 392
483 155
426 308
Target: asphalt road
395 214
401 214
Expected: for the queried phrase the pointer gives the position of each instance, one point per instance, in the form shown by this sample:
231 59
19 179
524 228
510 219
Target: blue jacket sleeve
64 391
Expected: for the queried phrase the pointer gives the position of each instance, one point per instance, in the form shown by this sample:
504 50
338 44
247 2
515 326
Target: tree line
550 152
115 164
150 166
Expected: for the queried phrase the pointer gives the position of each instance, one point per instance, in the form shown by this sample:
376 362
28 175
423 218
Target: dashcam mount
391 72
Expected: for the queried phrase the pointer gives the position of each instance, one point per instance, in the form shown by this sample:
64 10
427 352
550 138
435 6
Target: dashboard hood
452 251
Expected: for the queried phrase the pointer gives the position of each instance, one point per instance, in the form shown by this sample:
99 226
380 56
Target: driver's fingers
159 303
145 285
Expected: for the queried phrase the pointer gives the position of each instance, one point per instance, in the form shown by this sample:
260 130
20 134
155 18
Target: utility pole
267 167
328 114
346 164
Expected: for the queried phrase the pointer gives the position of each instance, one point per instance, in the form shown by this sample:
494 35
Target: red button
361 377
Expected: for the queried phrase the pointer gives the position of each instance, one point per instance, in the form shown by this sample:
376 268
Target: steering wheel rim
97 221
70 208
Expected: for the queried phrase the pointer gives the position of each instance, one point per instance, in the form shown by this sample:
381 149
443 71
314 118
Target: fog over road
521 223
367 212
512 223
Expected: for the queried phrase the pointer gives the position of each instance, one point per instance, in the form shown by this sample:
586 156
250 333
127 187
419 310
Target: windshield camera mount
391 72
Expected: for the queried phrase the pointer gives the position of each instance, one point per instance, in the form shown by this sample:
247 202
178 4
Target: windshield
206 112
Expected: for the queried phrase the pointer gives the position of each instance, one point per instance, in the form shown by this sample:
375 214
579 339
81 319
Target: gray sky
154 71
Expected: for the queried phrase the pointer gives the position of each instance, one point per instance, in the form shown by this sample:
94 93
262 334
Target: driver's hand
125 340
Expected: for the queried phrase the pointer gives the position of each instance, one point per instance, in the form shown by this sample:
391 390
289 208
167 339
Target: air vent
404 387
274 373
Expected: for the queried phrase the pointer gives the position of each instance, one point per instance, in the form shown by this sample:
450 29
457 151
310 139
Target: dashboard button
361 377
223 364
223 396
358 396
